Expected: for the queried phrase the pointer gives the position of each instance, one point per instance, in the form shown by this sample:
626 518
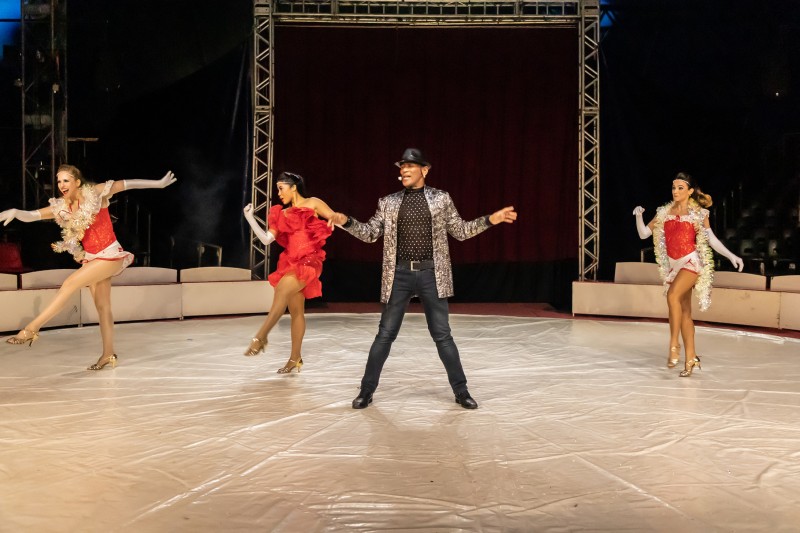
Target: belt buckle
412 266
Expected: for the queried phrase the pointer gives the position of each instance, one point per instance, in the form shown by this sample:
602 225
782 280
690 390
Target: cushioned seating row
737 298
139 293
8 282
222 291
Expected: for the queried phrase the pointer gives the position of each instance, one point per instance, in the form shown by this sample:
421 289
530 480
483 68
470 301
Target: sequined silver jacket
444 218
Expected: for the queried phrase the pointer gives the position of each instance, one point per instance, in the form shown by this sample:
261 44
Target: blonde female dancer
86 232
302 234
682 236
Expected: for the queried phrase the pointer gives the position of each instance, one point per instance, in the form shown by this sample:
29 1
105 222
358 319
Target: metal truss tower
581 14
589 141
263 129
43 93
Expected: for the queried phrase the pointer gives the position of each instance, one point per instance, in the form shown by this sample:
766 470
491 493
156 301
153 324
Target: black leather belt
427 264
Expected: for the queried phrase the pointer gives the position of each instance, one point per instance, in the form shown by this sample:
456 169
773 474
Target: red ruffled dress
302 235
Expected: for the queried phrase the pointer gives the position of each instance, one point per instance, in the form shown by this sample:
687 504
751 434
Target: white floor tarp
581 427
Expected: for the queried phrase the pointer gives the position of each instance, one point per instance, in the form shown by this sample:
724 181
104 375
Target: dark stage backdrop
494 110
670 103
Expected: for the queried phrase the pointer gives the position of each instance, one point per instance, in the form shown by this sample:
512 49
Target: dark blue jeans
406 284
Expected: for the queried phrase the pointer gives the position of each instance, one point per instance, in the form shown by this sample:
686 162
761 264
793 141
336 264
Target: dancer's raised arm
126 185
322 209
265 237
25 216
644 231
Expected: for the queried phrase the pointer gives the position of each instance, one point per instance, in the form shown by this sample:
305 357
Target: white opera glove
644 231
264 236
721 250
168 179
23 216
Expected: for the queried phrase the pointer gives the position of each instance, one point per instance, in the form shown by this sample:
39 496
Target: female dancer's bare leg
680 288
297 303
680 316
284 290
687 325
101 293
86 275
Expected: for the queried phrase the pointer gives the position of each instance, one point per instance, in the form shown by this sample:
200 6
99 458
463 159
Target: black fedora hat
413 155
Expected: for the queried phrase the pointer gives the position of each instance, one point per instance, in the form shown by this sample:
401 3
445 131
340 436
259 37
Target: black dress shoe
465 400
363 400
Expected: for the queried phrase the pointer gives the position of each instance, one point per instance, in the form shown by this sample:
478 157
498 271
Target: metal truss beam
583 14
43 94
422 12
589 141
263 130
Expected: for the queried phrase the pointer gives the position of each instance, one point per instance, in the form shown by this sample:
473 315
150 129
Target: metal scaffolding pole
43 95
582 14
589 139
263 129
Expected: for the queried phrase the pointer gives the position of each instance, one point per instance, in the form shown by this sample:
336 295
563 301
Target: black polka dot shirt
414 227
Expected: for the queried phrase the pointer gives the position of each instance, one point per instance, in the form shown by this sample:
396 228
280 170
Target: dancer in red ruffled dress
86 233
296 278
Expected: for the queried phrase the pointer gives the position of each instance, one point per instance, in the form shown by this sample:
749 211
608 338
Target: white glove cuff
265 237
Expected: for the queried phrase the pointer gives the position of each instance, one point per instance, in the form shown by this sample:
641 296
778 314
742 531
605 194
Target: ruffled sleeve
106 193
93 202
272 216
60 212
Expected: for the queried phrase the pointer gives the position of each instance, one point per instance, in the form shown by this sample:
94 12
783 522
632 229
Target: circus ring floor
581 427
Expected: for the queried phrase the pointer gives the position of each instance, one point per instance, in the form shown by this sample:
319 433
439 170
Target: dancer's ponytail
703 199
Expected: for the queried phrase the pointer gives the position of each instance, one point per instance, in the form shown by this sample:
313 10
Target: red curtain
494 110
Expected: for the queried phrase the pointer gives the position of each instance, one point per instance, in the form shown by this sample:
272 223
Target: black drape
708 88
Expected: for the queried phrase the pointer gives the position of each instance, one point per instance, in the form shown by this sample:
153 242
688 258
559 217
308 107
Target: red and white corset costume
99 241
681 240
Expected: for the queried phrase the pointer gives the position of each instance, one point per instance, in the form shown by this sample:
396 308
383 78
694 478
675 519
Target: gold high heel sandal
674 356
27 336
294 364
690 366
256 346
100 366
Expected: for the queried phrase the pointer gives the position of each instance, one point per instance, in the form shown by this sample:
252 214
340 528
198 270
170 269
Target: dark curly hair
293 179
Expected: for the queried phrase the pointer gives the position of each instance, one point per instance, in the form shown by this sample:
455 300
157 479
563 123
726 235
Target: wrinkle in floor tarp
581 427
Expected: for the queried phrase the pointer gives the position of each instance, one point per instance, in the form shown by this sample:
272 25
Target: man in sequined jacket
414 224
